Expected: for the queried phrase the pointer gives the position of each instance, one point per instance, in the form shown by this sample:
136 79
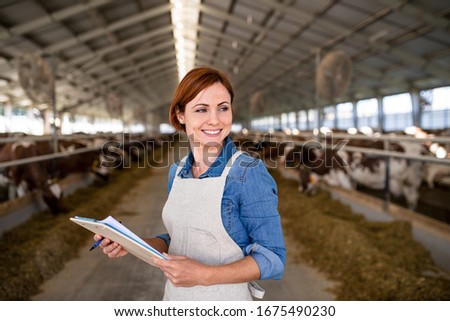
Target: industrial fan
333 75
140 113
113 105
36 78
258 102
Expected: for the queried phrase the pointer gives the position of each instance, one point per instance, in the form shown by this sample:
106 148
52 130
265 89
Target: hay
39 248
369 260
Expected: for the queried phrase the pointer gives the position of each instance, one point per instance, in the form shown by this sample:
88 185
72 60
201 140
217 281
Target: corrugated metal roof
266 46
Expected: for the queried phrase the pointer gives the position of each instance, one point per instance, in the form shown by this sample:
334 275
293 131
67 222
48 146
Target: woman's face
208 117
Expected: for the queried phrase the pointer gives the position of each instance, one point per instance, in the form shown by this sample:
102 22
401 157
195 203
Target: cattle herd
307 158
311 159
78 154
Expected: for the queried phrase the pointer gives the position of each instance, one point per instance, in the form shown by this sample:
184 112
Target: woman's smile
211 132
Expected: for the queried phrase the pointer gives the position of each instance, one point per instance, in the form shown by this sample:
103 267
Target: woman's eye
200 110
224 108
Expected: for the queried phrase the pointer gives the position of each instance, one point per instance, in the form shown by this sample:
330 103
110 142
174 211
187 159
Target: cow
43 175
337 167
433 172
32 176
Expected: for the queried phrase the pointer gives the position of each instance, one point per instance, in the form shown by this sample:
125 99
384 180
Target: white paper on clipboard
117 232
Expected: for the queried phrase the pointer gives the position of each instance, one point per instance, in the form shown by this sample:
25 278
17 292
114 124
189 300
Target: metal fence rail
283 138
48 157
52 155
32 138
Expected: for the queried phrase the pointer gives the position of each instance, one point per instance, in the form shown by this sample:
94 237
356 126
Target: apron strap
181 165
230 163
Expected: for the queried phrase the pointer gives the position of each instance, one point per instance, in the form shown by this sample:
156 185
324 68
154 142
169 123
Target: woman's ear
180 116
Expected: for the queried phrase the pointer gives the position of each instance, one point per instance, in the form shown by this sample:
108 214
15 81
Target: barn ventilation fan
113 105
36 78
258 102
140 113
333 75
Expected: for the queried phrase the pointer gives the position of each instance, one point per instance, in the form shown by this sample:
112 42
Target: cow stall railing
32 138
311 140
53 155
30 203
388 155
15 211
46 157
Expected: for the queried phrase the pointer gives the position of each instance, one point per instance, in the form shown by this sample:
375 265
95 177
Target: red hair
194 82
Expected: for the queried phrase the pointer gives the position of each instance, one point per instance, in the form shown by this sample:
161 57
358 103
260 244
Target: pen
95 244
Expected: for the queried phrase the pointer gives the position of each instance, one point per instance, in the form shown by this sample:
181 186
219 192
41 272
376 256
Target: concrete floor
93 276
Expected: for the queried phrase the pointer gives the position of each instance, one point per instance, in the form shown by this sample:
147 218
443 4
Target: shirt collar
216 168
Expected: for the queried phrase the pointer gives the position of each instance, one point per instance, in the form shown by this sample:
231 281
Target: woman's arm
185 272
258 212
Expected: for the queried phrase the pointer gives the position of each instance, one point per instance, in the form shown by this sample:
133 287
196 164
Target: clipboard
117 232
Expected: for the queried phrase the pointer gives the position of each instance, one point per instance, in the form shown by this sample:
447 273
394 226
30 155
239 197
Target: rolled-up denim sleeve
259 214
270 264
165 237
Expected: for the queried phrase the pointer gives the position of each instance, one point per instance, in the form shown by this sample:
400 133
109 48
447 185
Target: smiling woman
224 230
207 119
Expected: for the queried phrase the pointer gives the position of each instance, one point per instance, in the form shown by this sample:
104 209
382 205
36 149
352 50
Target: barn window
367 112
312 118
292 120
18 111
344 114
284 121
328 116
398 112
303 120
435 105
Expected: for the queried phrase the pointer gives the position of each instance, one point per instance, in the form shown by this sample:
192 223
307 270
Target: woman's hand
183 271
110 248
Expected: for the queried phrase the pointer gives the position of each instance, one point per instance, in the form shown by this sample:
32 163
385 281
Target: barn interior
82 77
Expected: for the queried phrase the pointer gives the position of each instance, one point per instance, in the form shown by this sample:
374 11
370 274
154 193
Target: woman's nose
213 118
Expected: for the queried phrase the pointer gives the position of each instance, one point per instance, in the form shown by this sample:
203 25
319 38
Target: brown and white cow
32 176
43 175
347 169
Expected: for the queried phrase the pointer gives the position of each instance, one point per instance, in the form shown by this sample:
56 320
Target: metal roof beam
135 54
362 37
138 66
82 38
123 44
51 18
78 103
206 9
97 55
424 14
141 99
143 73
219 35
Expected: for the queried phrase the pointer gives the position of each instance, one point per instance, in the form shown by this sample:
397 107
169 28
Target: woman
224 229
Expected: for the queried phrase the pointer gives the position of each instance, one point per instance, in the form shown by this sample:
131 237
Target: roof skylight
185 14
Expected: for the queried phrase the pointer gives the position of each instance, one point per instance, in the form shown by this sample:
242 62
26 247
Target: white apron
192 216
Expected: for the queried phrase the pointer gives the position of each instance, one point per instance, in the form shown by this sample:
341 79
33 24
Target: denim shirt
249 208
